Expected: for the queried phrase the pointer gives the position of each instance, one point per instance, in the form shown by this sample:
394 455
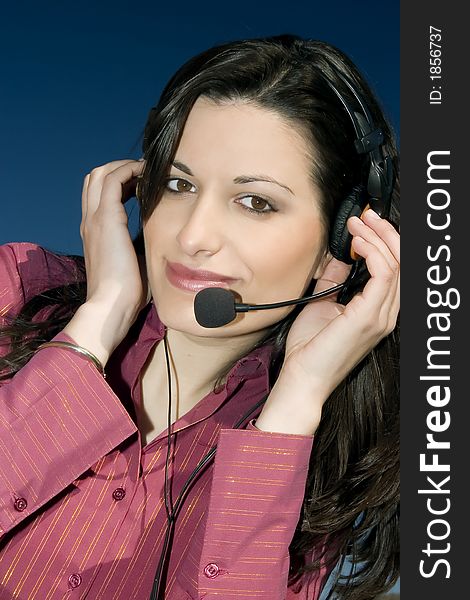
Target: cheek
157 232
285 263
155 242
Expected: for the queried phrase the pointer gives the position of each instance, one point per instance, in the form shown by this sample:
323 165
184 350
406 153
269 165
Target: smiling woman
247 459
223 219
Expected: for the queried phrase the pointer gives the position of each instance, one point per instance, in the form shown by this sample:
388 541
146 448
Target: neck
198 362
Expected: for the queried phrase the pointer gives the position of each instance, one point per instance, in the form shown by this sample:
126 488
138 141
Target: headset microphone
216 307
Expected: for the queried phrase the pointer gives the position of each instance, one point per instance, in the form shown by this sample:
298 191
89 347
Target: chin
190 326
180 317
183 320
176 311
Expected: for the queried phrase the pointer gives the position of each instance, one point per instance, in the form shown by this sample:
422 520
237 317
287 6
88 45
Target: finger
385 230
377 264
357 227
381 293
100 178
120 183
95 175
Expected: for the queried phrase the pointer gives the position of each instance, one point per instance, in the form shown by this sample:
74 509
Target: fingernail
372 214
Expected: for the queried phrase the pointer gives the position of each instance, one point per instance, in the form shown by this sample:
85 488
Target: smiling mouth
194 280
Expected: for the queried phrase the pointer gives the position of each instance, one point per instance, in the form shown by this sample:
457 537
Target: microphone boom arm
246 307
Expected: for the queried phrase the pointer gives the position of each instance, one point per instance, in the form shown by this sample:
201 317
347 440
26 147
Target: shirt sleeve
58 416
26 270
256 497
11 293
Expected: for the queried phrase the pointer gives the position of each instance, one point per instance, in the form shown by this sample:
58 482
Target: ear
319 269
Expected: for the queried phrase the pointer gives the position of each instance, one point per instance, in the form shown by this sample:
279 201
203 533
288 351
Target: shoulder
27 269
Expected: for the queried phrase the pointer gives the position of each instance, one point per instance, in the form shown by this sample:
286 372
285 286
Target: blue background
78 80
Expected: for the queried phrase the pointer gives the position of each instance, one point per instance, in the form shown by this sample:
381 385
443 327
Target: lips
194 280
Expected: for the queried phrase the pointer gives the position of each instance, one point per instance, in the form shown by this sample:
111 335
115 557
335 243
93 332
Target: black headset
375 191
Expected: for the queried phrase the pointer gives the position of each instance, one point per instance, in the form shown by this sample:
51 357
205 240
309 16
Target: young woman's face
239 212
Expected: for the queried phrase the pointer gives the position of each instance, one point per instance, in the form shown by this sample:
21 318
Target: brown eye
179 185
183 186
255 204
258 203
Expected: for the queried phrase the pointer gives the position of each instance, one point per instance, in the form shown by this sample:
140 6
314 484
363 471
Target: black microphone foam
214 307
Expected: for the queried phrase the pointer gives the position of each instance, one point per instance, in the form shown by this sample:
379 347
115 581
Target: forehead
246 138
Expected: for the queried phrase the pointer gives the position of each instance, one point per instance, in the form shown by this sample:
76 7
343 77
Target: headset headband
370 141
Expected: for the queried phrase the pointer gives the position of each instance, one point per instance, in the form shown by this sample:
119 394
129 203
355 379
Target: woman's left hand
327 340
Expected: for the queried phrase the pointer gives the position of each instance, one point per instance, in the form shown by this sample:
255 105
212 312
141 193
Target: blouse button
20 504
211 570
75 580
119 493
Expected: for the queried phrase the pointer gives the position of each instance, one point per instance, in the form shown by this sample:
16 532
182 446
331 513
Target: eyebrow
240 179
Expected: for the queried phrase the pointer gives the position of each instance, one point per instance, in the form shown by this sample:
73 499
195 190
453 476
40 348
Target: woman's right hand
117 287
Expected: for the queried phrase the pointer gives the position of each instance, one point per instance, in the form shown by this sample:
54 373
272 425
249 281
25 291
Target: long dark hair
351 502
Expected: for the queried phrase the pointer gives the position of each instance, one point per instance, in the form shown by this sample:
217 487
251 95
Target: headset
375 191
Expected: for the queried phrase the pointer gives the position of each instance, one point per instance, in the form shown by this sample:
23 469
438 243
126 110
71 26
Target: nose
202 229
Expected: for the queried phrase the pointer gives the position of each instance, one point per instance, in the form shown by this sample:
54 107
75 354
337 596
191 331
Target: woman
248 157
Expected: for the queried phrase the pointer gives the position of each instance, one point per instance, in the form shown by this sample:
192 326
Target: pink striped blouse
82 513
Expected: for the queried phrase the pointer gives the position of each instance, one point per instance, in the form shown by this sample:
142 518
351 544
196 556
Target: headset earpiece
340 238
